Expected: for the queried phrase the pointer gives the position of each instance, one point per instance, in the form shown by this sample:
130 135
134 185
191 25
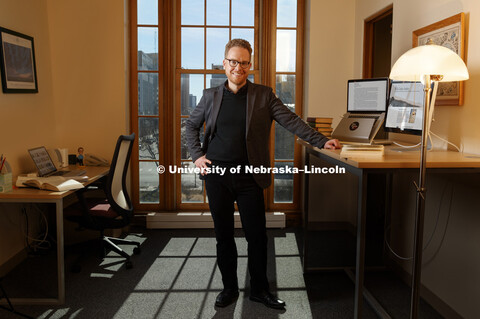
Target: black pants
222 192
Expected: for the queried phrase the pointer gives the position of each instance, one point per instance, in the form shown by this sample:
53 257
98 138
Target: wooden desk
31 195
391 162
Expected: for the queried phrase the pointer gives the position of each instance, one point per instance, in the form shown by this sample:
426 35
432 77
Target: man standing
238 117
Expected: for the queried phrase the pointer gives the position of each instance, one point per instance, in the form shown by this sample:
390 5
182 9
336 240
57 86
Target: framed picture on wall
17 64
449 33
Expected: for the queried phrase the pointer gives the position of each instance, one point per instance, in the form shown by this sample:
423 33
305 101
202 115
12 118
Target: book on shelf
315 125
54 183
324 129
353 150
326 120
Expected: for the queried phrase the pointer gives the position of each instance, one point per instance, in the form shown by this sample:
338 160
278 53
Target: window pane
286 50
287 13
148 138
147 49
193 12
148 182
216 41
217 12
246 34
243 12
192 186
192 48
214 80
147 93
185 154
284 140
191 88
147 12
284 143
285 90
283 185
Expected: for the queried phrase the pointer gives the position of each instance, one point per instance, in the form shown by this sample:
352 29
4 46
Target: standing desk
31 195
391 162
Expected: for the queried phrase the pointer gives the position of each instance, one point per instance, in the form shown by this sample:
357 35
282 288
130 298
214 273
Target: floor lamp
425 63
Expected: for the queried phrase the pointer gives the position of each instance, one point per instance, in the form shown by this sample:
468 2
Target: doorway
377 46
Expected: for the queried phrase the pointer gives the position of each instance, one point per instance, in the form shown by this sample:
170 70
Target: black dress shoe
226 297
268 300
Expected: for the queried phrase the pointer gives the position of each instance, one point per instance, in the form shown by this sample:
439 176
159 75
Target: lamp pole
427 61
421 194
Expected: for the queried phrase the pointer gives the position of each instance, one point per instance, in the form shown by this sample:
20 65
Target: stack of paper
362 151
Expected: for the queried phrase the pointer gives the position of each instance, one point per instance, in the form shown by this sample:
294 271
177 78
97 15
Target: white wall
329 49
28 120
90 74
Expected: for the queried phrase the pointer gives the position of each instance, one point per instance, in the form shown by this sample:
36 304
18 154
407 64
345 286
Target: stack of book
321 124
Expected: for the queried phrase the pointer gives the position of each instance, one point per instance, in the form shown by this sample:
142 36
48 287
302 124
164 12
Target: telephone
95 160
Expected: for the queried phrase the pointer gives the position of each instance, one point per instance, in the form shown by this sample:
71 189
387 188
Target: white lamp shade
429 59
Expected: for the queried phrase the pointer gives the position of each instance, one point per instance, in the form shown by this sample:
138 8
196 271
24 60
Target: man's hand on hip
202 162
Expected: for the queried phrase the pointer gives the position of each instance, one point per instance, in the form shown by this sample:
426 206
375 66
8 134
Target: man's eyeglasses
234 63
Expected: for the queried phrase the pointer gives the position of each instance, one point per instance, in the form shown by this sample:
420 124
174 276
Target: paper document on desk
55 183
362 151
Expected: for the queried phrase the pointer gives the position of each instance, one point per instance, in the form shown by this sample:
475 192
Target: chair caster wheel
137 250
128 264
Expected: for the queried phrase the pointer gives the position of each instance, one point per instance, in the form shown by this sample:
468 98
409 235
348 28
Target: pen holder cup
5 182
5 178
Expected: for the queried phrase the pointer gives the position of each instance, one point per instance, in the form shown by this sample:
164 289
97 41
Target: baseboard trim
156 220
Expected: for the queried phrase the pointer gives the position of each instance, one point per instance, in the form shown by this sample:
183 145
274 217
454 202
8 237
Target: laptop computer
366 106
45 166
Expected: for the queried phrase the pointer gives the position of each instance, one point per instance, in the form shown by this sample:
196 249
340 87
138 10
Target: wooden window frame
270 80
165 97
264 72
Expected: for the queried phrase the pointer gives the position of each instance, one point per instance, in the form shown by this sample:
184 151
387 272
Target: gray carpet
176 276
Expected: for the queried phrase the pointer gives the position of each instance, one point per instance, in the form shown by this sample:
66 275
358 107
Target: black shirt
228 142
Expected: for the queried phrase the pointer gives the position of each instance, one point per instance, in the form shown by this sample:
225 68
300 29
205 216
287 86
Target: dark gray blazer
262 107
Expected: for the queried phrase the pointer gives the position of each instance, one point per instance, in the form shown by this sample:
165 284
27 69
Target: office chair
113 212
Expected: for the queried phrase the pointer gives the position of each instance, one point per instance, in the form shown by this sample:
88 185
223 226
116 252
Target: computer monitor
405 108
367 95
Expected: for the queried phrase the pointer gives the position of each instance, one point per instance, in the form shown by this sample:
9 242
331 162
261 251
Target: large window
179 48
